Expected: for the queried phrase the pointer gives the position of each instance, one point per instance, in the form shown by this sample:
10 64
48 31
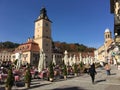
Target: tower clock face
38 24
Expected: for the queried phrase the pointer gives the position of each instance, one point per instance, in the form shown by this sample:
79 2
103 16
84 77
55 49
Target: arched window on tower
108 36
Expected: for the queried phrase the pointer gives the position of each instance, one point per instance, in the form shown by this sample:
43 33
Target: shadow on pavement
98 81
2 88
69 88
113 74
35 83
31 87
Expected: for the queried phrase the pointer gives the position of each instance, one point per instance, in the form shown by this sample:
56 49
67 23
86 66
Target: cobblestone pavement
82 82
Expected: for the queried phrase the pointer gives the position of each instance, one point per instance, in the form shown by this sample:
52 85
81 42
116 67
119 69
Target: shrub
10 79
27 77
51 75
81 64
75 68
65 70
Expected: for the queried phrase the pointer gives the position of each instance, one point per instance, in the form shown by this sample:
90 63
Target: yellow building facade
101 54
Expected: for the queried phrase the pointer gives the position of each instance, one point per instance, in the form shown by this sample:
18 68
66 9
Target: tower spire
43 14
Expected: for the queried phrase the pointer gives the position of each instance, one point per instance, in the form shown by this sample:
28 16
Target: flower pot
118 67
27 85
65 77
51 79
75 74
8 88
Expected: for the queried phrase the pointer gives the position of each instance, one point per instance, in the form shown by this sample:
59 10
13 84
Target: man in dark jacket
92 72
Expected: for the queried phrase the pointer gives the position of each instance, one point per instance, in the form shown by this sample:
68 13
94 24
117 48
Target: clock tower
42 34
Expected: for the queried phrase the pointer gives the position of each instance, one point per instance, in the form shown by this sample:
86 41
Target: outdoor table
3 77
17 78
32 73
43 74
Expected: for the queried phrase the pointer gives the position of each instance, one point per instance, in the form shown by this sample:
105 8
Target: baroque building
5 55
29 52
110 50
101 54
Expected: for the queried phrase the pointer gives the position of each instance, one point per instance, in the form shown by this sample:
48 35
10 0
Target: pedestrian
107 68
92 72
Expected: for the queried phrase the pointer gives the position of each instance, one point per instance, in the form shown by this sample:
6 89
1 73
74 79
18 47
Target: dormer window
27 46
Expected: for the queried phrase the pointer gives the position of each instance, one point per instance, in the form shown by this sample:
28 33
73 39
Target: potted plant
27 77
65 72
10 80
51 72
81 67
75 69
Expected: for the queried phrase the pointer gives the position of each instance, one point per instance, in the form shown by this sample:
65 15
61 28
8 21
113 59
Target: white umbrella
19 62
87 60
74 59
42 63
77 60
66 58
84 61
54 61
92 60
80 56
70 61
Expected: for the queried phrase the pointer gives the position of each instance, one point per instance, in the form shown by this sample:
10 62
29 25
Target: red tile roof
28 46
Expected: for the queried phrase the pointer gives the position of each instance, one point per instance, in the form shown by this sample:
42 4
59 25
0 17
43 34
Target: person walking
92 72
107 68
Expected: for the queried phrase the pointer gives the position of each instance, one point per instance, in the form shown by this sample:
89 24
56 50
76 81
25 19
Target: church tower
42 34
107 35
107 42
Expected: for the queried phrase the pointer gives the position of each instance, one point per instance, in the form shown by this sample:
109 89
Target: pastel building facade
5 55
101 54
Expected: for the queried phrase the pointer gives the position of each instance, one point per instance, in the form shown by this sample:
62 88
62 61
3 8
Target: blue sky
74 21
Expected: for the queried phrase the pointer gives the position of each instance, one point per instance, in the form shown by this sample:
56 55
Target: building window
46 44
46 30
38 24
13 57
46 24
27 46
